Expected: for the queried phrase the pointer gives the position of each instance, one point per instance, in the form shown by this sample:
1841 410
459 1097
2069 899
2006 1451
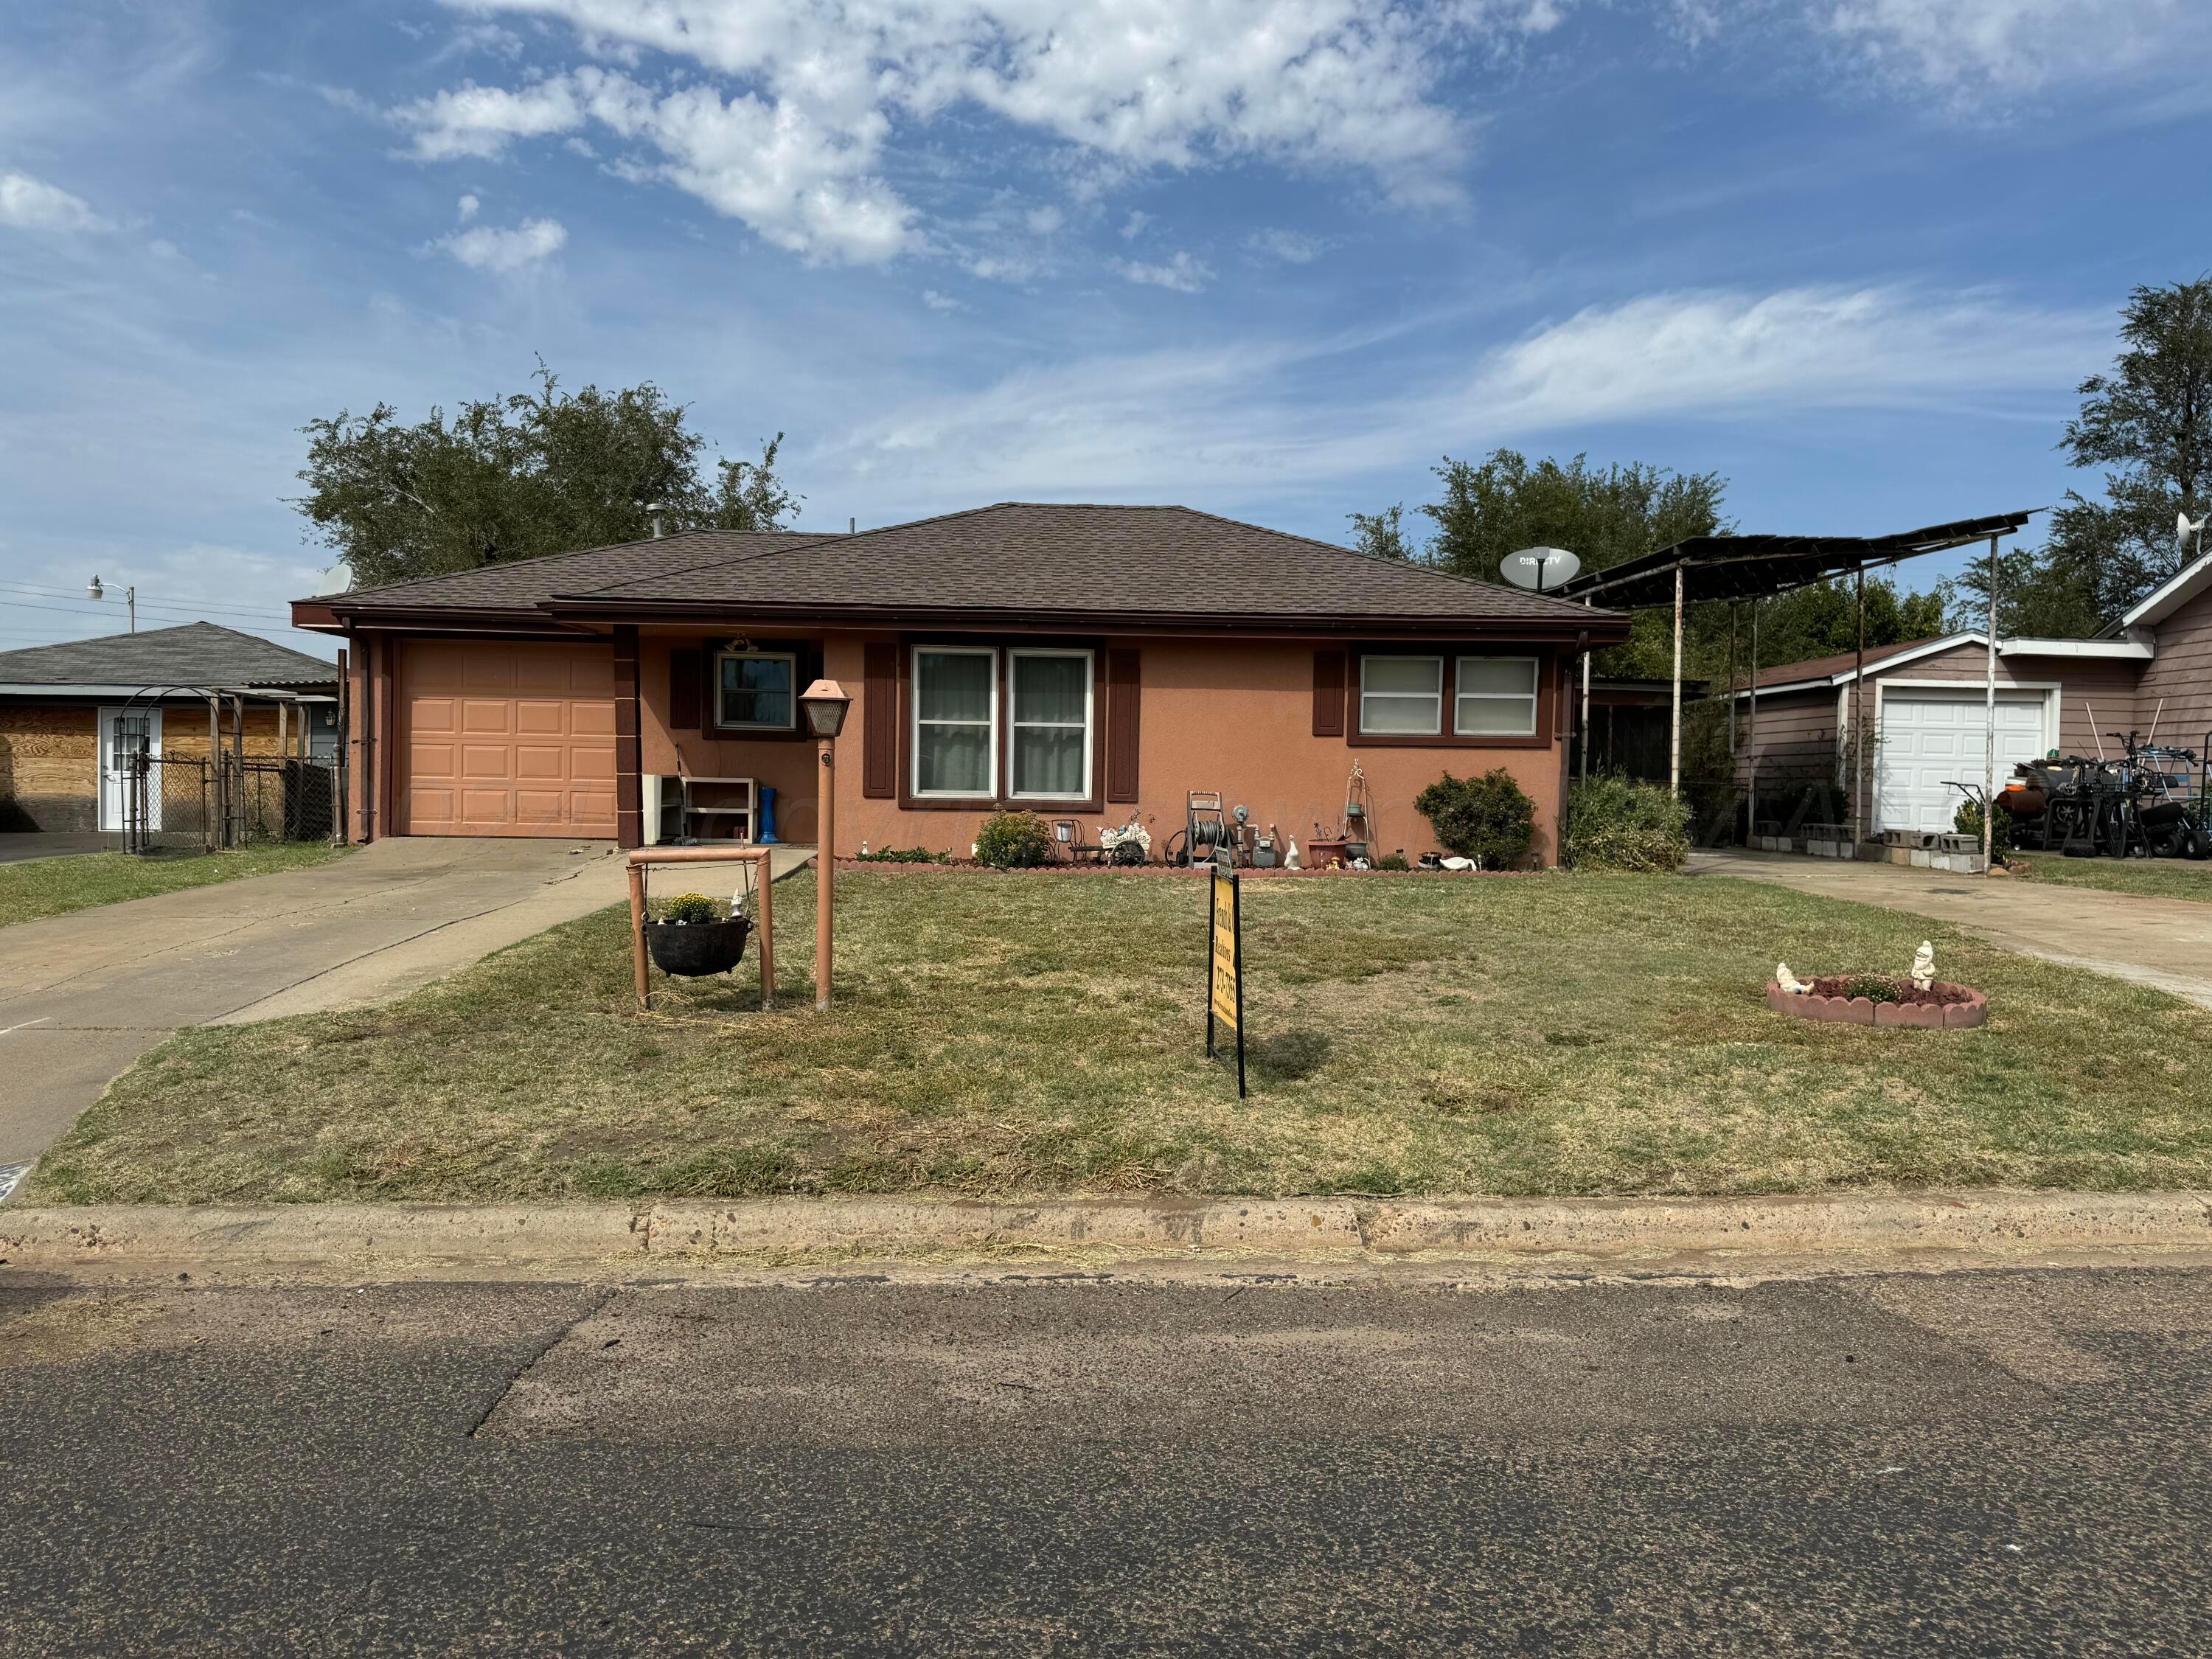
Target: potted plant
691 937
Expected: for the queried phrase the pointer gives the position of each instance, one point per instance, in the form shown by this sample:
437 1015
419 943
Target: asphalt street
1995 1462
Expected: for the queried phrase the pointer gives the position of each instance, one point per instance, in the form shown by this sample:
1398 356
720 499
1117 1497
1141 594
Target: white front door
123 733
1931 738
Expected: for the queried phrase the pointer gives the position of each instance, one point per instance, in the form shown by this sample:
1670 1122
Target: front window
1497 697
1401 695
1051 696
755 692
956 707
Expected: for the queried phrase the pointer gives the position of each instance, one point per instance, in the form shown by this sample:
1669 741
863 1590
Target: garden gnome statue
1789 981
1924 966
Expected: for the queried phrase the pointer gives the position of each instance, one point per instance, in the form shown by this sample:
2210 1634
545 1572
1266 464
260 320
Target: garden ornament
1924 966
1789 981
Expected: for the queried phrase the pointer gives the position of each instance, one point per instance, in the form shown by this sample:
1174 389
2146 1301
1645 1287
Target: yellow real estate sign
1225 995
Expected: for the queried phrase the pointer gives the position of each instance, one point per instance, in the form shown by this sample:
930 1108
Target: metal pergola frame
1703 568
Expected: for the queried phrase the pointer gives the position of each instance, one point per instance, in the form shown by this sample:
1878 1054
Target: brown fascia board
1602 627
454 619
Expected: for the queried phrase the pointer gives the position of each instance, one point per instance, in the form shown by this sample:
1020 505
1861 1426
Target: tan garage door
506 738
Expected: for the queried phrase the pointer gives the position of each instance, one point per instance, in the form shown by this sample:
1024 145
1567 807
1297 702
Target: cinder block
1921 857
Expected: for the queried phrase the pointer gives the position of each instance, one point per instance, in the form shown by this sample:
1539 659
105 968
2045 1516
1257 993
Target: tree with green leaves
515 477
1382 535
1603 515
2150 421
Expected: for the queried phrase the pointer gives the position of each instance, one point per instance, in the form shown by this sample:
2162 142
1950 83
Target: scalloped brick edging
1859 1010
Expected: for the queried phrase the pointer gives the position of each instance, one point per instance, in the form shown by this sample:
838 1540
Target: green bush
1967 821
690 907
1489 819
904 855
1392 861
1875 987
1014 840
1613 823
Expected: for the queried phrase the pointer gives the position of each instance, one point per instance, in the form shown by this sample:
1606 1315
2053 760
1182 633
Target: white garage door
1929 738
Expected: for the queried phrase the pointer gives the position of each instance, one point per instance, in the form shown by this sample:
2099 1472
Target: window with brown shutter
879 722
687 679
1123 698
1328 694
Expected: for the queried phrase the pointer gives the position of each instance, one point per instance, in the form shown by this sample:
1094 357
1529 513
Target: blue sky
1270 260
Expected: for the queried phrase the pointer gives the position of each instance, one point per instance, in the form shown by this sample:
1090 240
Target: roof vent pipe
852 527
656 509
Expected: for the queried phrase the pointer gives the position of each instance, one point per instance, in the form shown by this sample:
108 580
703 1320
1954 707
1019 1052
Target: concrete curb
1978 1223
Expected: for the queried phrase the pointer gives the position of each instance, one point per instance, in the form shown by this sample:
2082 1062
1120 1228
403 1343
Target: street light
826 706
92 590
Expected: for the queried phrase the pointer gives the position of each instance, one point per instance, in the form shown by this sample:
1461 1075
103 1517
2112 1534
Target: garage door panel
517 728
1930 739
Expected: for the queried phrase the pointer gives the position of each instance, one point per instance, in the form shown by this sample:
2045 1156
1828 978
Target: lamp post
826 706
94 590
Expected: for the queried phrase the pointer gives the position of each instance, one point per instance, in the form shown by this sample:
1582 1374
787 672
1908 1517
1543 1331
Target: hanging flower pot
690 950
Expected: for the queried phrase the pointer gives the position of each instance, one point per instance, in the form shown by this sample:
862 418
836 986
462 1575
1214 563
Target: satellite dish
2182 530
338 578
1540 568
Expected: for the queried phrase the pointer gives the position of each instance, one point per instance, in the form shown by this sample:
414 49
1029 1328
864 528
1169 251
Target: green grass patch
1015 1036
30 888
2174 878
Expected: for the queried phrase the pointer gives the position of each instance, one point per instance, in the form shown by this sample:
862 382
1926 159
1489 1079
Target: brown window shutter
1123 698
1328 694
687 681
880 736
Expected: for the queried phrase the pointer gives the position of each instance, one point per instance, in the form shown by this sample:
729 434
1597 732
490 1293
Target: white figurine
1924 966
1290 858
1789 981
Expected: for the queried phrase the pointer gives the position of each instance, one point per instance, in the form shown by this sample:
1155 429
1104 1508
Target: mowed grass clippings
1010 1035
2174 878
31 888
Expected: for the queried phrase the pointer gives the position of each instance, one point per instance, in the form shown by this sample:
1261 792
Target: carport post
1674 738
1861 819
1587 604
1750 738
1990 715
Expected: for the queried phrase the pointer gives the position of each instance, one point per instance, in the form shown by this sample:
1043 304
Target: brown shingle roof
196 654
1824 668
527 583
1088 560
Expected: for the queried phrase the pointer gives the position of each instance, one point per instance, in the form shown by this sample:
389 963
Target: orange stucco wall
1232 716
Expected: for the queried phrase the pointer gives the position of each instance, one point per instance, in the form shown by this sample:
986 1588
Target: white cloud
788 131
1221 419
1181 273
1968 48
937 301
467 208
28 203
1133 226
487 248
1292 246
1044 220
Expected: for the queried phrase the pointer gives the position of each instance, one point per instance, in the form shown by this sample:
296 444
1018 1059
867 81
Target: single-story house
67 711
1631 725
1925 703
1094 664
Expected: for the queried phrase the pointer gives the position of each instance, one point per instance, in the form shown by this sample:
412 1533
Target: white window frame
915 721
1534 695
1090 719
1367 731
790 657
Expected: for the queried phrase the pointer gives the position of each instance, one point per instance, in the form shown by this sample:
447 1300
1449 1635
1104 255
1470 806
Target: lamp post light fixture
94 590
826 706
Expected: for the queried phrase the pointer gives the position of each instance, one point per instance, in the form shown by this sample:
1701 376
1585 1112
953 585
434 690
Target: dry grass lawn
2174 878
31 888
1034 1034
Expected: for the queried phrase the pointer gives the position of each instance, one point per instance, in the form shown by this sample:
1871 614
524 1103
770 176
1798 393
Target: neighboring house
1925 702
68 711
1092 663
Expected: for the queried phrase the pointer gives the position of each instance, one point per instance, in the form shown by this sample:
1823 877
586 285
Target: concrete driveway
15 846
2163 943
82 995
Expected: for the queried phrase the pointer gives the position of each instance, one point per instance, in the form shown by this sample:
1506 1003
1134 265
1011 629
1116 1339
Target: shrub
904 855
1392 861
1014 840
1489 819
1613 823
690 907
1967 821
1875 987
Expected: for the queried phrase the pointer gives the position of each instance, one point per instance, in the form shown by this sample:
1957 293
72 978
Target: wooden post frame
1224 971
763 924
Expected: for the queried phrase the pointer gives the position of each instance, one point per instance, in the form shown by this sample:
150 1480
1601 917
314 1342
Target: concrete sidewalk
2166 943
82 995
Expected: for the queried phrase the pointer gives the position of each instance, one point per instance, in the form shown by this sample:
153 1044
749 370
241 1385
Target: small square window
1496 698
754 691
1401 695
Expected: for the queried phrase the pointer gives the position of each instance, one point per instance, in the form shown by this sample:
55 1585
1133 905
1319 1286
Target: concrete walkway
15 846
2163 943
82 995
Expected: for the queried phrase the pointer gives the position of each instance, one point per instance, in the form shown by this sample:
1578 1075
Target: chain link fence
178 804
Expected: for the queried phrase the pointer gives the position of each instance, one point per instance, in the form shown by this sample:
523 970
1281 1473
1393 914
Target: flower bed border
1860 1011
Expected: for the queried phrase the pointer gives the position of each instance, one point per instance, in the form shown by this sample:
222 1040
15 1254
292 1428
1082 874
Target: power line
266 618
154 603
